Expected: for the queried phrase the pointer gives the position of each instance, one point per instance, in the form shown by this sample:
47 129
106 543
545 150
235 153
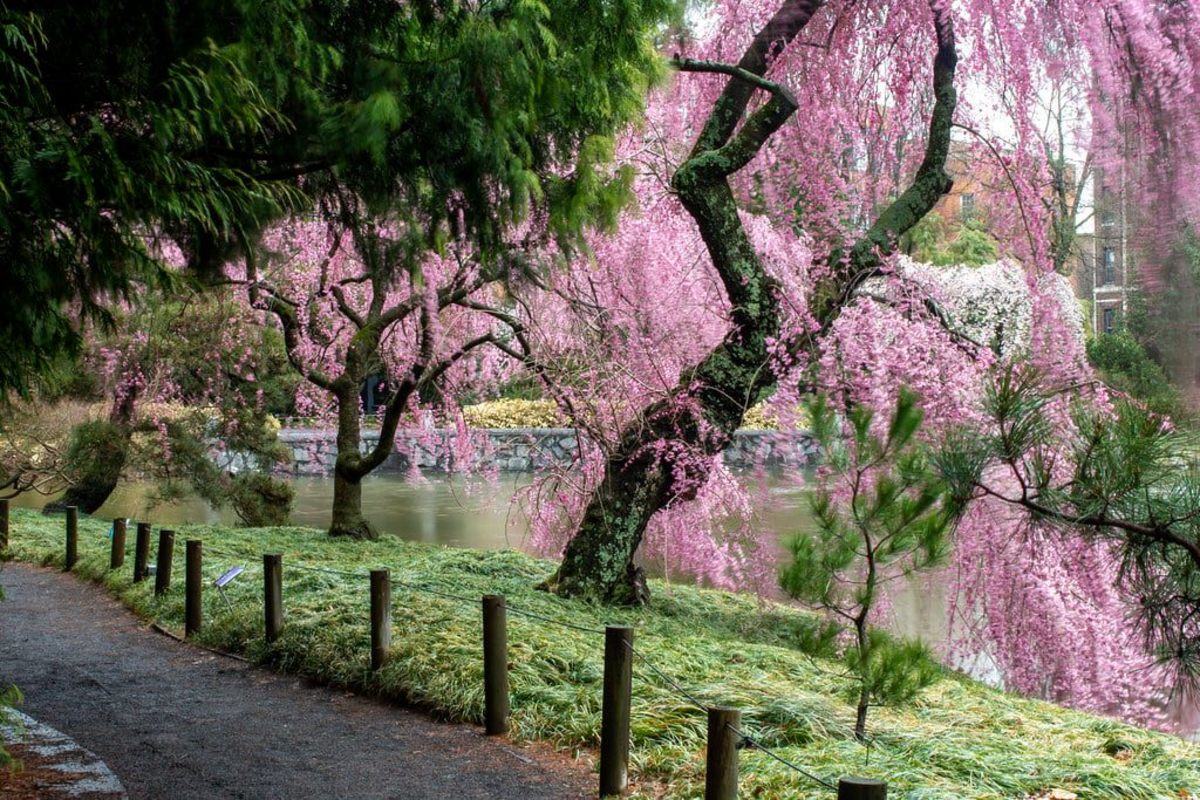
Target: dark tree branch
1155 532
285 311
716 165
779 31
347 310
698 65
931 181
419 375
431 376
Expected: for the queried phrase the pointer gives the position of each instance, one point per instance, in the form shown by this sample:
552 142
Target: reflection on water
453 511
462 512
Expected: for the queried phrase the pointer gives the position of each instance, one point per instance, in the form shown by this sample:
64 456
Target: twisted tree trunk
710 400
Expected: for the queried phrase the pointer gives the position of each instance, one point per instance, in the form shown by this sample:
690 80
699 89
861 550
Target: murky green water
470 513
440 511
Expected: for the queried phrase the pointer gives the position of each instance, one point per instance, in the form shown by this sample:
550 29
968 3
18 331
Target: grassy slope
960 739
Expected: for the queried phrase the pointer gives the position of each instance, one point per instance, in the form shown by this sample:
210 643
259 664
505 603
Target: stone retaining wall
518 450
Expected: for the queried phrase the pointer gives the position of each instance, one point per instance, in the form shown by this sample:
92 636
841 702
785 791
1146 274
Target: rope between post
437 592
755 744
744 737
339 572
552 621
671 681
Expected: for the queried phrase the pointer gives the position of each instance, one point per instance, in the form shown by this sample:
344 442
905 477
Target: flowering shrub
511 413
514 414
993 303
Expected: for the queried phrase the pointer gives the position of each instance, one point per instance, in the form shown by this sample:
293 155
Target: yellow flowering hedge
545 414
514 414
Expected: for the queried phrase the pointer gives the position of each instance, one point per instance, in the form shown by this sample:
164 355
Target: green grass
960 739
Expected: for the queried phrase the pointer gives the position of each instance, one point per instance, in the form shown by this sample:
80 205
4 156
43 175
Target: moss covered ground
959 740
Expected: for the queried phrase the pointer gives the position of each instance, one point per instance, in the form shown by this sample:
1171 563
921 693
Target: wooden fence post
273 595
861 789
3 524
162 569
381 617
495 665
721 776
117 557
193 610
141 552
614 716
72 538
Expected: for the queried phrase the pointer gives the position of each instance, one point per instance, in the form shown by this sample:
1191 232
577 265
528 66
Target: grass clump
959 739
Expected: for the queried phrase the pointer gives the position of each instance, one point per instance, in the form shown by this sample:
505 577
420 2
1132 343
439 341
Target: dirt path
174 721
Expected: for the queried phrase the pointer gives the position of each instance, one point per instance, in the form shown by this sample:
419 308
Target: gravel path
173 721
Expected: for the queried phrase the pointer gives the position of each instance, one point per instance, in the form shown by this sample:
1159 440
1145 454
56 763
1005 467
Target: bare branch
779 31
698 65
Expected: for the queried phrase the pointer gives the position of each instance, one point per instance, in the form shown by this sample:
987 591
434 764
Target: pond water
458 513
461 513
439 511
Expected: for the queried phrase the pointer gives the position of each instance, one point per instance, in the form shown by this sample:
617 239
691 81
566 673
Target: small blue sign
229 575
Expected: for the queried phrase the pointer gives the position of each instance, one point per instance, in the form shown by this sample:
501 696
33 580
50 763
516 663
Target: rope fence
726 734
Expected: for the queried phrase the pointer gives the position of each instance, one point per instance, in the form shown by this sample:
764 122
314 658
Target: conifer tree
884 516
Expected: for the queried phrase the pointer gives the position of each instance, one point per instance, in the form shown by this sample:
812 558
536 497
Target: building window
1110 320
1110 266
1107 216
968 206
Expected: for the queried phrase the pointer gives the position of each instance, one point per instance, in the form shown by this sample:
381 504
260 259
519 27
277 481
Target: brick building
1104 277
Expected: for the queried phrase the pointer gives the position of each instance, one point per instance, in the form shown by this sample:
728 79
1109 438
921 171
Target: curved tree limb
930 183
779 31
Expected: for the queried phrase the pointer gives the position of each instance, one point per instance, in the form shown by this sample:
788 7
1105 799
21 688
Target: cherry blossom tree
354 299
665 454
761 264
736 98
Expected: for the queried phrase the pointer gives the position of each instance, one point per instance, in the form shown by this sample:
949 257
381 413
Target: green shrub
260 500
94 462
935 240
98 450
1127 367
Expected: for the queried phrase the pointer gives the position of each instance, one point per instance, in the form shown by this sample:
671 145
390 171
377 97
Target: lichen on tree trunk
621 509
641 479
709 401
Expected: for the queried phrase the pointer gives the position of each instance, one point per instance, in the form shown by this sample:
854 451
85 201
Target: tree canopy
121 122
108 115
